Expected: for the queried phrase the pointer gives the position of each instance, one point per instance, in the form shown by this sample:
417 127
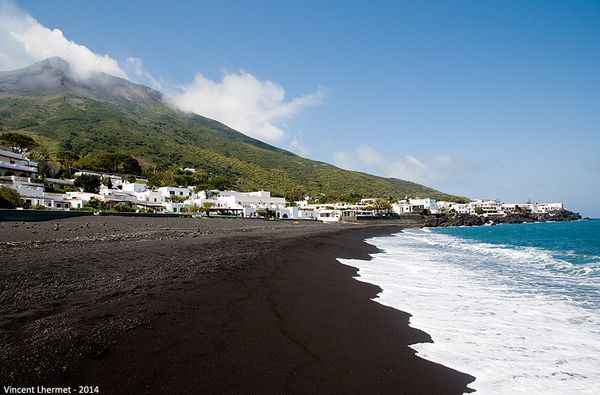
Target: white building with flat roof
297 213
34 194
548 207
408 206
133 186
13 164
486 207
184 192
329 215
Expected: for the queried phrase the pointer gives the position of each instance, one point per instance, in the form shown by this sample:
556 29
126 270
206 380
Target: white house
329 215
113 195
78 199
460 208
148 196
133 186
245 202
297 213
176 191
401 207
13 164
548 207
509 207
260 200
416 206
487 207
175 208
34 194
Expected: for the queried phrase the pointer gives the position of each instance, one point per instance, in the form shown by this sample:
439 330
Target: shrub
95 205
89 183
84 208
123 208
9 198
266 213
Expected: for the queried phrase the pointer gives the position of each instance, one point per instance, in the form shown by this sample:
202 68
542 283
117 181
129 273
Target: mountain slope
110 114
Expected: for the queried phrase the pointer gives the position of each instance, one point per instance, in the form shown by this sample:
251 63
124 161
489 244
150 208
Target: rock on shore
514 218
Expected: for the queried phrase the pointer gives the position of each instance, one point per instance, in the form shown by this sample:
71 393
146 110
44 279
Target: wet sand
173 305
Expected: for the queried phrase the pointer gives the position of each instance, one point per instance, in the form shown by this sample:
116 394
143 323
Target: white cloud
240 100
245 103
439 169
297 147
135 65
23 40
369 156
344 160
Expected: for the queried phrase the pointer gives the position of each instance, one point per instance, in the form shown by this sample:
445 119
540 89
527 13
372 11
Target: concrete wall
49 215
403 219
39 215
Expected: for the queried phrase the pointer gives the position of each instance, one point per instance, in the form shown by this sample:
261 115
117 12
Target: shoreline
182 305
471 289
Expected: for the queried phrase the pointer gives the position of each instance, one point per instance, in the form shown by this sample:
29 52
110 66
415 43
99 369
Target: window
180 193
171 192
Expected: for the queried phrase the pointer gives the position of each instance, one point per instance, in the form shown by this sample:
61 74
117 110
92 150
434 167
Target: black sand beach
173 305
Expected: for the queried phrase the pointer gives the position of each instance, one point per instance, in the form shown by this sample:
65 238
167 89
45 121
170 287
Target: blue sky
483 99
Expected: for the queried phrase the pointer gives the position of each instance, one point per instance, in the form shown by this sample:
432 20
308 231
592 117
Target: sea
517 306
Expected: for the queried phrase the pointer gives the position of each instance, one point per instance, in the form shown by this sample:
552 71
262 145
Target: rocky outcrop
513 218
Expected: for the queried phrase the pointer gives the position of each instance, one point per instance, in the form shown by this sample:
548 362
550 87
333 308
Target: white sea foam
492 311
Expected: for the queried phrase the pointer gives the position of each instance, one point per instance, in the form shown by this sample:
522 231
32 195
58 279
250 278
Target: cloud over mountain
23 40
439 169
244 102
255 107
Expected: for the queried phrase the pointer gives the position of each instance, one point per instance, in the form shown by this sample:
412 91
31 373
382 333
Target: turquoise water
557 259
517 306
575 242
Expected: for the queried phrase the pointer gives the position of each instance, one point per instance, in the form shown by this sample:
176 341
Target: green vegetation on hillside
152 140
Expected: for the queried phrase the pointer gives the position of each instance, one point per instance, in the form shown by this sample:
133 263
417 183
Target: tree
131 166
46 165
67 158
206 206
161 179
176 199
478 210
381 205
220 183
297 193
89 183
110 162
18 142
266 213
96 204
9 198
123 208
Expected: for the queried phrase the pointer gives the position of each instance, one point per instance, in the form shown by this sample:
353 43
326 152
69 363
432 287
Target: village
115 193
